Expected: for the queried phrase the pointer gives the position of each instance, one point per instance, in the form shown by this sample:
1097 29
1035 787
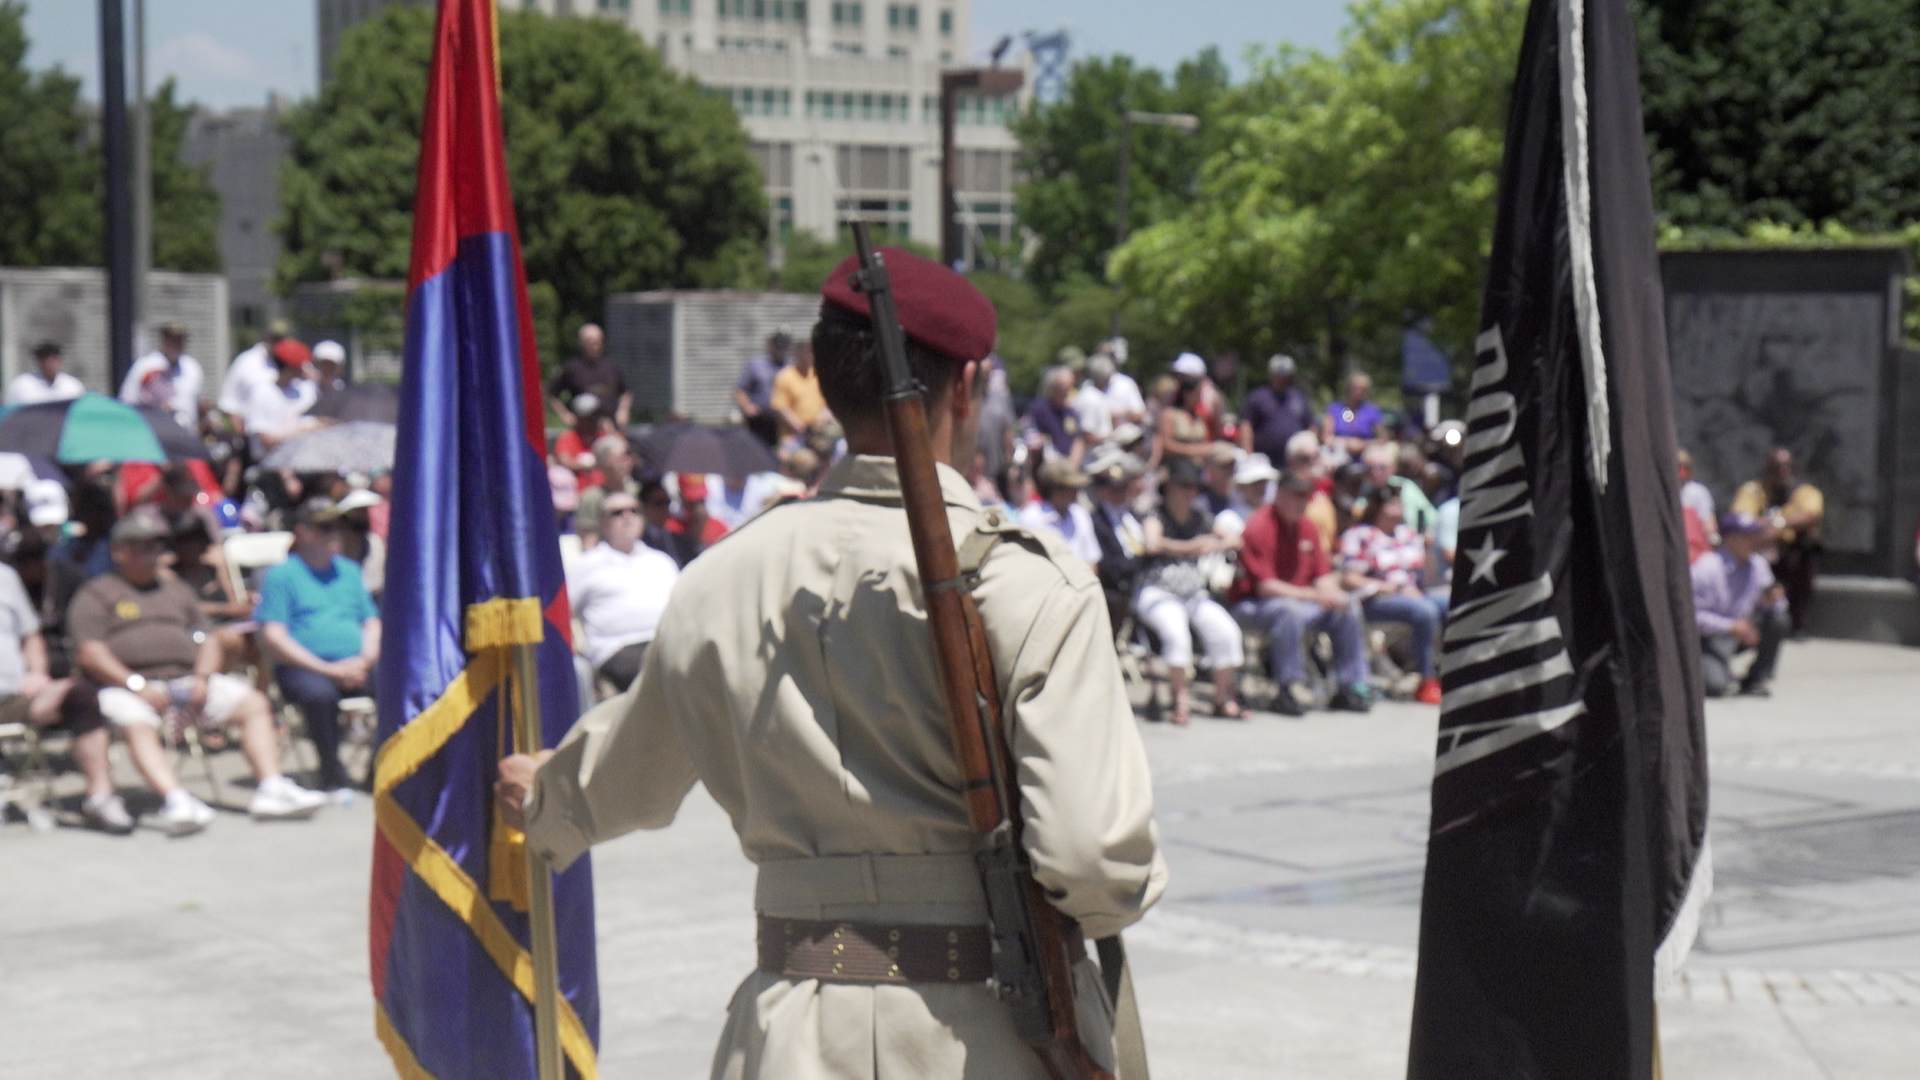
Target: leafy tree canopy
625 176
1782 111
50 171
1069 153
1351 194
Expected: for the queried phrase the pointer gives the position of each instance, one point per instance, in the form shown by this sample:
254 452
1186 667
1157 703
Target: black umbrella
178 442
361 401
733 452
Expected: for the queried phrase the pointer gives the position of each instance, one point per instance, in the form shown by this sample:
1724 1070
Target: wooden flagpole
542 941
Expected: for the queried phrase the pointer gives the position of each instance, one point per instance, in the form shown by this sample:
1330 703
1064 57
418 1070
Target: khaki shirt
793 674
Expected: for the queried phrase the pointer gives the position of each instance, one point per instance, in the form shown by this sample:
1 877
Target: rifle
1034 945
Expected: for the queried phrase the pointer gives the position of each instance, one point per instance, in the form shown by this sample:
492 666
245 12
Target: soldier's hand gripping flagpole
1034 945
542 942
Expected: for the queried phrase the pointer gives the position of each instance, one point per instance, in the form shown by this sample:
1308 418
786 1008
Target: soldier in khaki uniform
793 674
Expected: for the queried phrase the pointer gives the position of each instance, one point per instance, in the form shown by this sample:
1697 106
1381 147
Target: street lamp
992 82
1186 122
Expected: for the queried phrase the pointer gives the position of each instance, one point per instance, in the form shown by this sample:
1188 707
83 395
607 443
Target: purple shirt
1059 423
1354 423
757 380
1275 418
1724 589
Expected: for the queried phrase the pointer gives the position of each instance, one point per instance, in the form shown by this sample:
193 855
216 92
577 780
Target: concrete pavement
1285 947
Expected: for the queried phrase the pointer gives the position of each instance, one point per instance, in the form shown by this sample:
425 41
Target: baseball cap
330 350
360 499
693 487
317 512
1183 471
1280 364
1738 524
1059 473
291 352
1256 469
141 524
1189 366
1116 468
46 502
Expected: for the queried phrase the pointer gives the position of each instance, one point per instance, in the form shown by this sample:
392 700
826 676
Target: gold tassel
507 848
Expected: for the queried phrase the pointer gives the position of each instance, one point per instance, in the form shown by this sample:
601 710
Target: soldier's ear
964 397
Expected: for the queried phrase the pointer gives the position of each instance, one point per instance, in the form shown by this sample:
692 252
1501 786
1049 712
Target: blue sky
232 52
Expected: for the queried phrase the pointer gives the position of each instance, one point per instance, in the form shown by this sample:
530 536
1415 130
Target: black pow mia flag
1567 857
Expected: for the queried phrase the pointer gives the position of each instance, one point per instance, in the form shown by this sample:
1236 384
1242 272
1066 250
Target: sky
226 53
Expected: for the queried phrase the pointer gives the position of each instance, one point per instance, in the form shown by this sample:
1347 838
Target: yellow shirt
1806 499
799 394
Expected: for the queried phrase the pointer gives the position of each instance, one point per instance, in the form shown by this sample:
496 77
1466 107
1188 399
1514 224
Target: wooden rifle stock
1034 945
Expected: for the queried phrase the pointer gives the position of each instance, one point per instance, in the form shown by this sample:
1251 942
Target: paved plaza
1284 948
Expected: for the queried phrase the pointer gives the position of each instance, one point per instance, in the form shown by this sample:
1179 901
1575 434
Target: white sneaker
282 799
108 813
184 815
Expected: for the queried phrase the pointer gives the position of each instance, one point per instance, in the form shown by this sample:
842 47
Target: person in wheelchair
1174 599
1383 560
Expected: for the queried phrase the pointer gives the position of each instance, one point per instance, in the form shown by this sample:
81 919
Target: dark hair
1376 497
651 487
853 379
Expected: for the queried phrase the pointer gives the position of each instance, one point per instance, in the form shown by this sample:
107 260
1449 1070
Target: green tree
186 208
1069 154
1350 194
625 176
1782 111
50 171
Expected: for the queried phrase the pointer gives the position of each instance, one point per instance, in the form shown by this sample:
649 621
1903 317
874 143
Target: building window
848 13
946 22
903 16
848 48
676 7
897 52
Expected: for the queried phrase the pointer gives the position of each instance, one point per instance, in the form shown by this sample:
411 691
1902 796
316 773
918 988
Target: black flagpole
116 160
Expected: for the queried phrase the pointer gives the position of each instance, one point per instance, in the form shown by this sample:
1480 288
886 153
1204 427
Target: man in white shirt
1091 402
1124 403
46 382
167 378
252 367
619 589
1061 511
277 411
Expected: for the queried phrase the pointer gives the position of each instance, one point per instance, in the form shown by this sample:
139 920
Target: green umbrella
91 427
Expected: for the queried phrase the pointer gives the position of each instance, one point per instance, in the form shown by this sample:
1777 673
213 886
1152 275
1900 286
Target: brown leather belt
875 953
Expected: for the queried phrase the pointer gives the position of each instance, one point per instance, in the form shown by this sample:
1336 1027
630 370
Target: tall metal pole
542 942
950 82
119 195
142 176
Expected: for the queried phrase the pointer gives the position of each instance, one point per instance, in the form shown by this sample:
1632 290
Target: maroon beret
938 308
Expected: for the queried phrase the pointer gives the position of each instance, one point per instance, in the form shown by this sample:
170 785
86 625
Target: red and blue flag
473 571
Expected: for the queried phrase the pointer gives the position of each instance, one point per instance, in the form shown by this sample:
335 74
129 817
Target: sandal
1182 713
1230 710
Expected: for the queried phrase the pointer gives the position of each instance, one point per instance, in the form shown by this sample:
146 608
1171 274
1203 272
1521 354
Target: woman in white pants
1174 600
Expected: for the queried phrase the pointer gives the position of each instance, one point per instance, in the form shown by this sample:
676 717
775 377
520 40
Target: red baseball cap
693 487
291 353
938 308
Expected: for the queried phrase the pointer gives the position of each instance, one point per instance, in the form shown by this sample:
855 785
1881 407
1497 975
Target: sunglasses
623 511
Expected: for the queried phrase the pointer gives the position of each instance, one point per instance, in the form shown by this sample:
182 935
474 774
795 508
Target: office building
839 97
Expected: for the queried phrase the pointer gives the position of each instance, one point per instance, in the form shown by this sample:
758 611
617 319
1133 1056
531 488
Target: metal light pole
142 176
1129 117
119 196
993 82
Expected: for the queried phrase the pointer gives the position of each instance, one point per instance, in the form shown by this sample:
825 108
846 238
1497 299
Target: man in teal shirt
323 631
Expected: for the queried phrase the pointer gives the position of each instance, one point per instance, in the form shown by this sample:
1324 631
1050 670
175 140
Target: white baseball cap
1190 366
330 350
1256 469
46 502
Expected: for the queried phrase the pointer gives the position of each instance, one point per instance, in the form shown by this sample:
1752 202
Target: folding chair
27 783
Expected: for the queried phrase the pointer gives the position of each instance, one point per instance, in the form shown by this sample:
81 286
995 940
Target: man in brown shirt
142 638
